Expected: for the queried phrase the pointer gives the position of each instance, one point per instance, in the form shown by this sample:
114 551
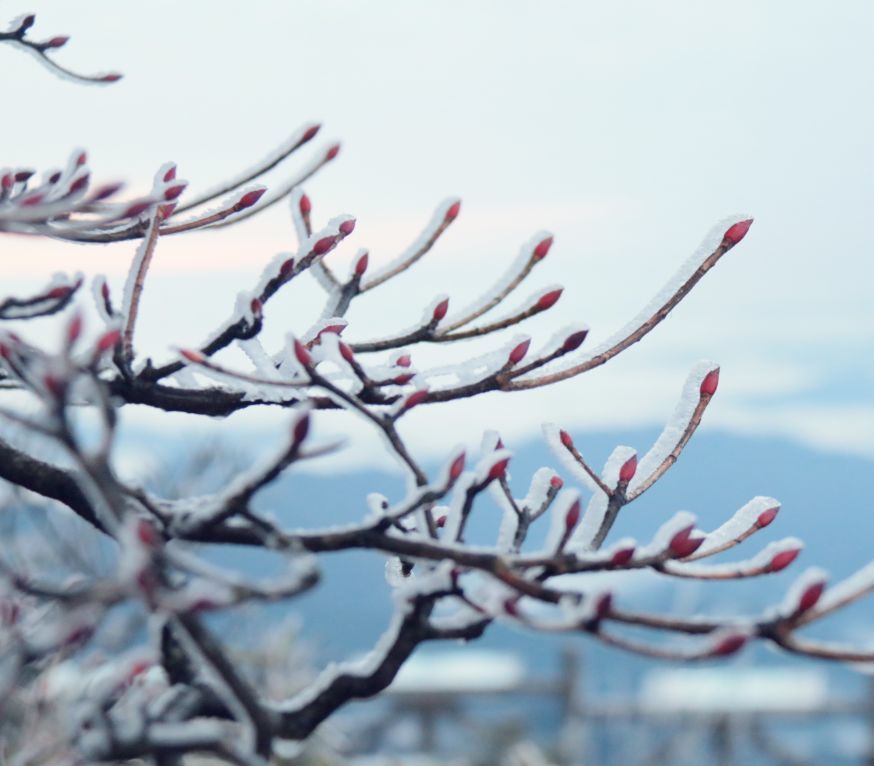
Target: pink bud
305 206
302 353
440 310
55 177
346 352
324 245
107 341
404 360
542 249
102 192
22 175
173 192
403 379
548 300
59 292
710 383
170 174
332 152
736 233
683 544
566 439
111 77
7 181
511 607
766 517
604 605
56 42
301 428
165 211
286 268
26 23
81 159
452 212
361 264
729 645
310 133
249 198
137 208
518 353
456 468
629 468
74 329
556 482
441 521
347 227
104 291
192 356
417 397
499 469
147 534
810 597
80 183
333 329
622 556
257 306
783 560
55 386
574 341
572 516
32 199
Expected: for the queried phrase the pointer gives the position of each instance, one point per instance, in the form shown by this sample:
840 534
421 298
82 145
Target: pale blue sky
626 128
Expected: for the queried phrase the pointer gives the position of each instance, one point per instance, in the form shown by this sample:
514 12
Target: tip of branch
556 482
566 439
452 211
548 300
629 468
728 645
304 205
250 198
710 383
766 517
302 354
736 233
417 397
347 227
111 77
683 544
192 356
457 467
404 360
783 559
572 516
622 556
542 248
332 152
310 132
440 310
574 341
518 352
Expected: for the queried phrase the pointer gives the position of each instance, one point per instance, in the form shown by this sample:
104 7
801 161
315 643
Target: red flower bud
55 177
440 310
304 205
80 183
736 233
192 356
811 596
782 560
55 386
170 174
729 645
403 379
332 152
622 556
346 352
136 209
301 428
7 181
499 469
556 482
147 534
302 353
102 192
441 521
518 353
604 605
324 245
32 199
572 516
511 607
81 159
361 264
574 341
542 249
173 192
766 517
456 468
56 42
347 227
74 329
59 292
629 468
548 300
417 397
22 175
249 198
257 307
683 544
404 360
566 439
286 268
710 383
452 212
111 77
310 133
107 341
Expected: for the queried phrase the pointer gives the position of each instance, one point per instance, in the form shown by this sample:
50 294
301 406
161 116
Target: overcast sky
627 129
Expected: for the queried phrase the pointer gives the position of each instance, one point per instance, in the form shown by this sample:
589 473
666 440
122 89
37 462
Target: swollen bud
74 328
728 645
310 133
782 560
257 307
56 42
304 205
548 300
572 516
302 354
324 245
456 468
403 379
440 310
170 174
498 470
173 192
811 596
452 212
332 152
361 264
301 428
404 360
286 268
346 352
736 233
574 341
347 227
417 397
518 353
250 198
192 356
542 249
622 556
710 383
107 341
683 544
111 77
556 482
629 468
566 439
136 209
766 517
